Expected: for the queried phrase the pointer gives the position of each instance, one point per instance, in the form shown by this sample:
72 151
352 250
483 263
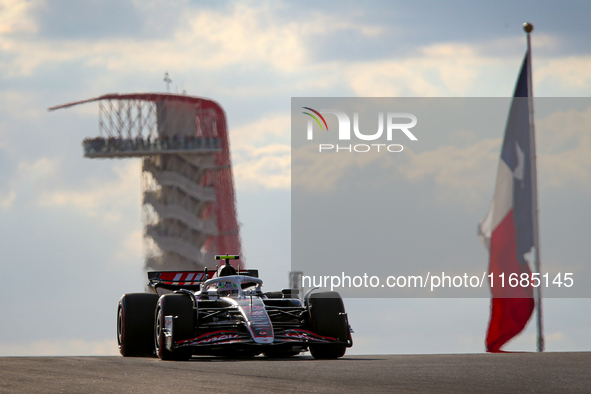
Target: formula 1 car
189 313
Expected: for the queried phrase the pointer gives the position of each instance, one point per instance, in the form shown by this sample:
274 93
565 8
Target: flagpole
528 27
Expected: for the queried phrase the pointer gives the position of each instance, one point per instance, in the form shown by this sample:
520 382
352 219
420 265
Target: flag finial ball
528 27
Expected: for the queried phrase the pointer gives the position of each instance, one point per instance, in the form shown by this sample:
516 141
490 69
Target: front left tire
328 319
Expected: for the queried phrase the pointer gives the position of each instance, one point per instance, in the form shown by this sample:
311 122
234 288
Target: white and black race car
189 313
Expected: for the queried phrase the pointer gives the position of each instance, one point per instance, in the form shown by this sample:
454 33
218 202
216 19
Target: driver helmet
226 270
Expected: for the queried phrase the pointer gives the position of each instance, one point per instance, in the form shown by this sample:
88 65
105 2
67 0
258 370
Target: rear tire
181 307
328 320
135 324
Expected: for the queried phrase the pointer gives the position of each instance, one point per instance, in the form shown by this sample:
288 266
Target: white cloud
465 175
246 32
256 37
132 247
555 337
106 198
261 153
7 199
61 347
14 16
269 128
450 69
461 174
20 105
268 167
42 168
323 172
564 146
460 69
203 39
572 73
3 135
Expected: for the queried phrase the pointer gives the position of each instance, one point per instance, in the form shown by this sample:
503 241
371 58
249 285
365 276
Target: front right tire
135 324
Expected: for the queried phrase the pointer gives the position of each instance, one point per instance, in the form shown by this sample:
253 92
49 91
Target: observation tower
189 208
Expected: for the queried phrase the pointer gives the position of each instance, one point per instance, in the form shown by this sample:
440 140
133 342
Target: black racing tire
135 324
328 320
180 306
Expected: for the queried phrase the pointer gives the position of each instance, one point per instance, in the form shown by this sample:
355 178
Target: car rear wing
191 280
179 278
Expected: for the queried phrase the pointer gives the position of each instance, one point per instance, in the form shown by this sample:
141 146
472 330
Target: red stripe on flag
511 307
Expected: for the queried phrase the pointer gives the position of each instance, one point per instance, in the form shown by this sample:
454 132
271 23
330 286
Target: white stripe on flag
501 204
503 200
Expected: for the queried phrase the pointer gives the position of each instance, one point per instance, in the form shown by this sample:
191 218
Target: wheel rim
158 331
120 326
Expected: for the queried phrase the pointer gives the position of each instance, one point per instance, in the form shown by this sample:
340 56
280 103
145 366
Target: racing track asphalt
458 373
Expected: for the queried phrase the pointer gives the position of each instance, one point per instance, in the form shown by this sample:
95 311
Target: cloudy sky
71 227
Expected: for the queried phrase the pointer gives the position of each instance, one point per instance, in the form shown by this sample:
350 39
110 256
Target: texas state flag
508 228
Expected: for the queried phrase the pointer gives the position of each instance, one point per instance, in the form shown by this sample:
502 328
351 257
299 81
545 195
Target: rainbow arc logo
315 118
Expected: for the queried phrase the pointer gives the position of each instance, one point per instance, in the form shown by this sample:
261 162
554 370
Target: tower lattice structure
189 208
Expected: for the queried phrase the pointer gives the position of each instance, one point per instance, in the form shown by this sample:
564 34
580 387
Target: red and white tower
188 189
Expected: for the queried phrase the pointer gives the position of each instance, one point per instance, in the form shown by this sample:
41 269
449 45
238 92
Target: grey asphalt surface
457 373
